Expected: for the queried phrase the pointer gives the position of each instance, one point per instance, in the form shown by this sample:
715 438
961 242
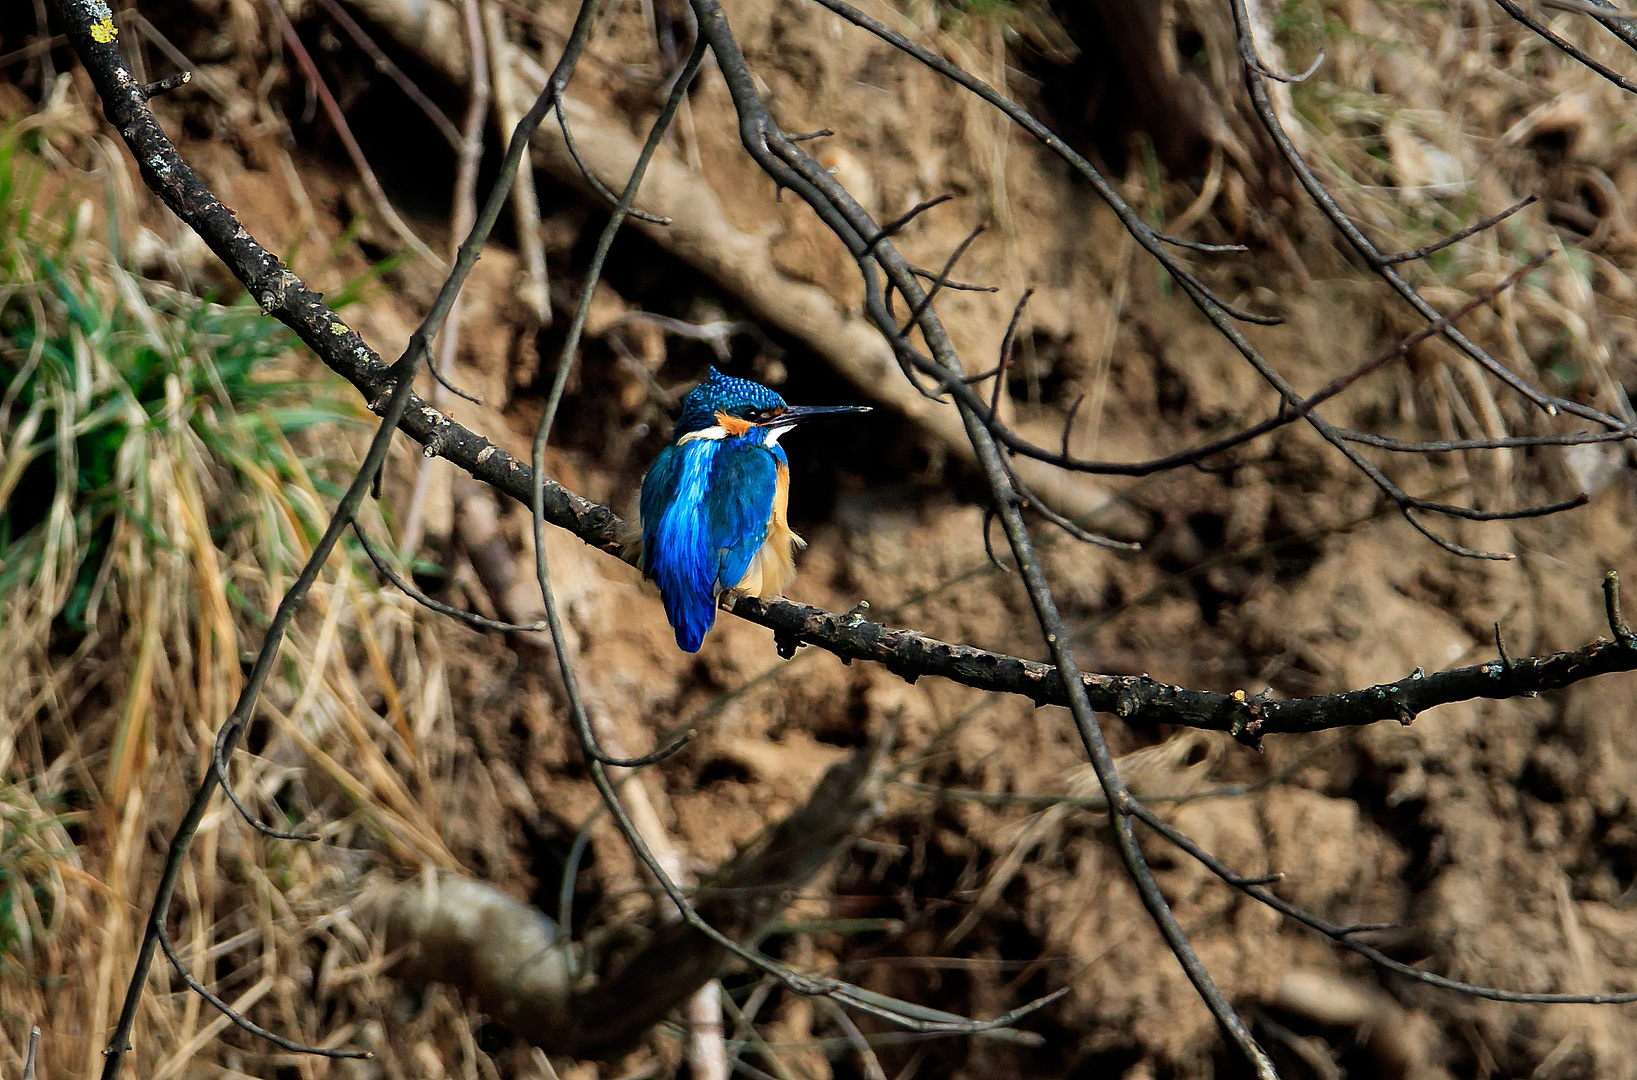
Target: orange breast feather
774 566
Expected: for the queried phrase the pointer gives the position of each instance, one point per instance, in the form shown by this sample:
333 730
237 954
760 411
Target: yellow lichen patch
104 31
339 328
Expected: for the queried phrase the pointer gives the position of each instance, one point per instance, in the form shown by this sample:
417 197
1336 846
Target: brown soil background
1500 837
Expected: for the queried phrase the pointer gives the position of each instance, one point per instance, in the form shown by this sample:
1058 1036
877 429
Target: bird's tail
691 629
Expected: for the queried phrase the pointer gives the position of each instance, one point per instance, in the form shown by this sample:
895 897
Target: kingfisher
714 502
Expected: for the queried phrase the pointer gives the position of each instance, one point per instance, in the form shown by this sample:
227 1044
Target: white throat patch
715 433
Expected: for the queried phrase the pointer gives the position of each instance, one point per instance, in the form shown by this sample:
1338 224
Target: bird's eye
756 416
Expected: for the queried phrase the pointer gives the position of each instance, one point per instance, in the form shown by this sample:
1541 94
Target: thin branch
33 1053
866 1054
594 180
1457 237
1622 24
409 589
383 63
226 740
1504 442
1005 360
946 282
1025 496
1195 245
245 1022
1068 423
896 225
940 280
1268 73
338 121
1611 606
1345 935
462 213
1586 7
1500 649
525 201
1512 8
167 84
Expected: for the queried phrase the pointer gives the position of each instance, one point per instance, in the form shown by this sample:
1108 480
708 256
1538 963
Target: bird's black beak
797 414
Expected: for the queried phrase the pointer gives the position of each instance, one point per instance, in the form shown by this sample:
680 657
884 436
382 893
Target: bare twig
1005 360
1456 237
872 1065
525 202
1209 249
167 84
1586 7
1617 21
593 179
1269 73
332 109
1500 649
463 212
383 63
1617 620
896 225
1346 935
243 1021
408 588
33 1053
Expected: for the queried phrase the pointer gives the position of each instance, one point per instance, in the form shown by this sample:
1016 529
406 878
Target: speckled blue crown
722 393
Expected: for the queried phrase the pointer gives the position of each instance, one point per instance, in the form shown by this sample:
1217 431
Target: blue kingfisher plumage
713 502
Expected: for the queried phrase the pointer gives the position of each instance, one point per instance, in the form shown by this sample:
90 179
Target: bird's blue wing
674 545
659 491
705 507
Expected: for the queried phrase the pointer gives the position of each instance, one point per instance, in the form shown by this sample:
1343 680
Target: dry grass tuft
165 464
